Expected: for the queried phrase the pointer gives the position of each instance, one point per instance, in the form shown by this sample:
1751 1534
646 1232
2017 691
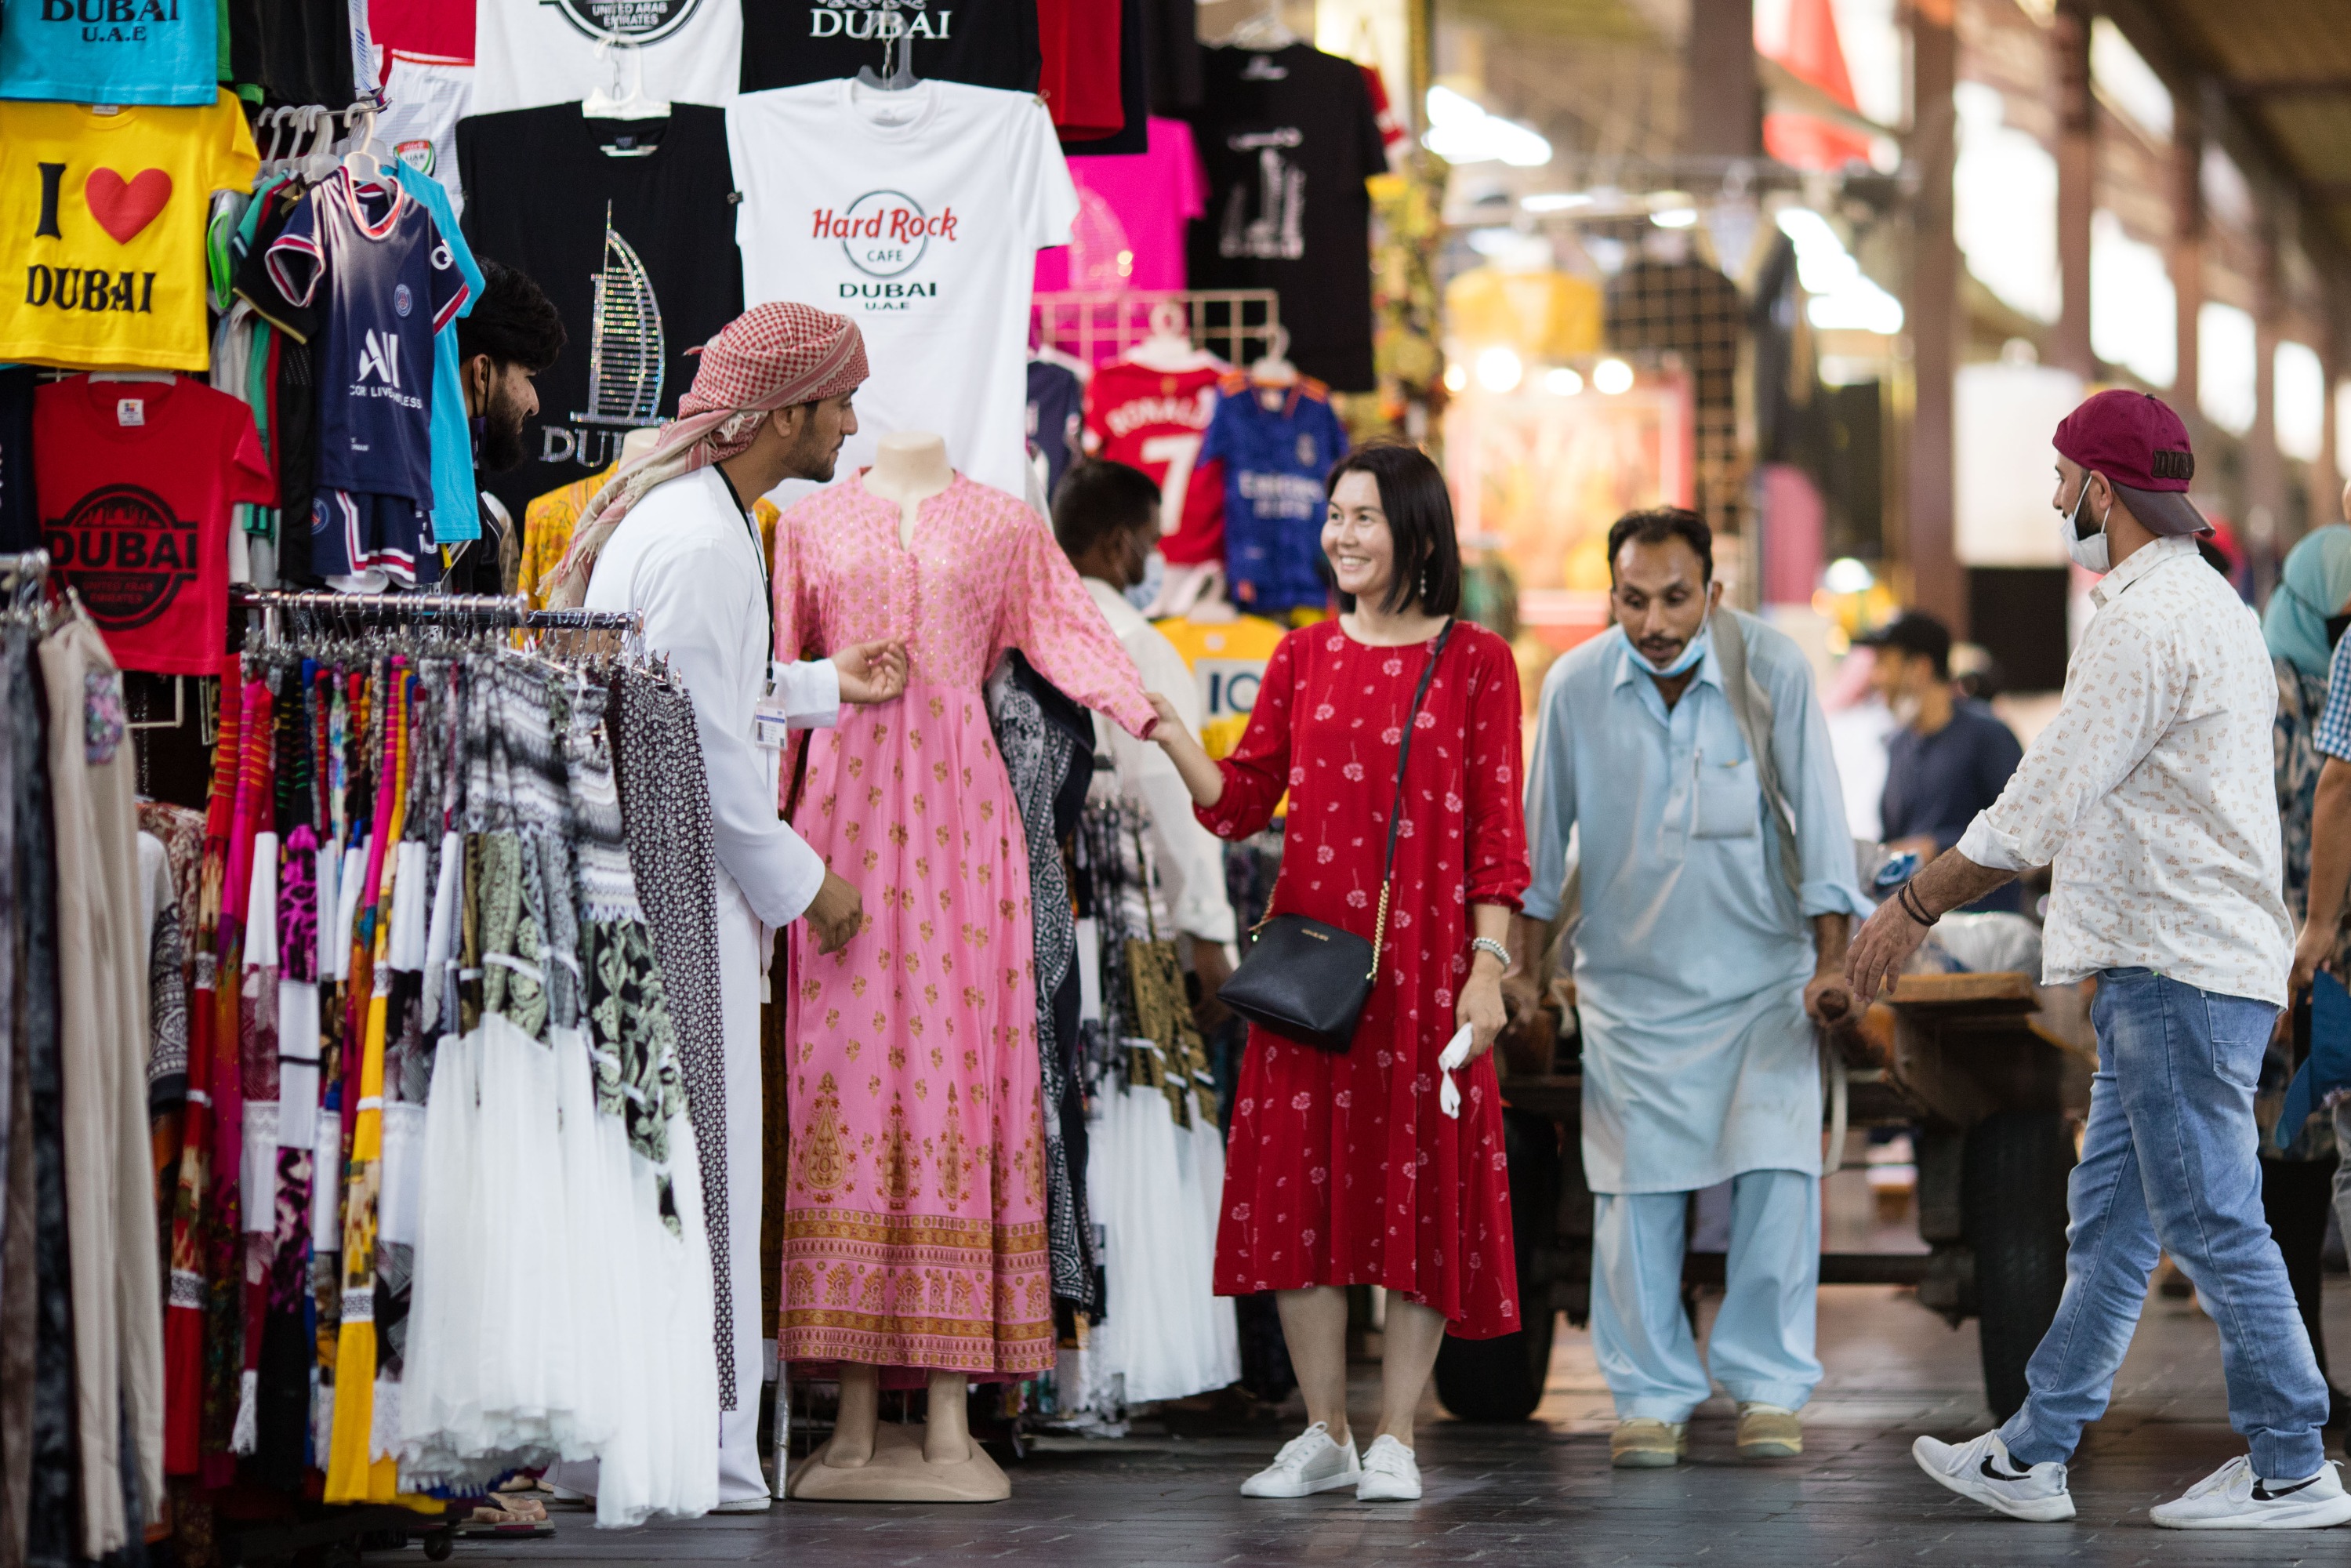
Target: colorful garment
1342 1169
915 1226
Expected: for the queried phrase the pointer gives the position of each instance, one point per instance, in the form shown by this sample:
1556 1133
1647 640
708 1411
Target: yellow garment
112 208
547 522
1548 315
1226 659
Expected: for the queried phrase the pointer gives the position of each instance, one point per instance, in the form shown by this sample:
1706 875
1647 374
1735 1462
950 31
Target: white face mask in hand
2090 554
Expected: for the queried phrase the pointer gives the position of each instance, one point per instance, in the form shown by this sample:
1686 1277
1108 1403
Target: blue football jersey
392 282
1275 462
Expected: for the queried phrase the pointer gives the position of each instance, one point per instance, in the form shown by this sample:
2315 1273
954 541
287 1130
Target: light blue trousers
1761 1346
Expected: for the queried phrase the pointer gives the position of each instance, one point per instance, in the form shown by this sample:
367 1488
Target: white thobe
687 559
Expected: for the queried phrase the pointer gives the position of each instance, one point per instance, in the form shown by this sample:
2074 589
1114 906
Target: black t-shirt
986 43
1288 140
20 525
657 230
304 48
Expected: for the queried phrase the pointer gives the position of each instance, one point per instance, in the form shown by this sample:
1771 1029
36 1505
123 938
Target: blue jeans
2168 1165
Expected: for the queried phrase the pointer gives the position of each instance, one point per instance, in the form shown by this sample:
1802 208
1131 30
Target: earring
1423 586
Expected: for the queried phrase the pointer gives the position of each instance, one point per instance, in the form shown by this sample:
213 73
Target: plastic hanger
321 162
1169 348
610 103
1274 373
367 159
901 78
163 378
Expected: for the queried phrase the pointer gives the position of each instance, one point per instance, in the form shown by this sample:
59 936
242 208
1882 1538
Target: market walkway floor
1542 1493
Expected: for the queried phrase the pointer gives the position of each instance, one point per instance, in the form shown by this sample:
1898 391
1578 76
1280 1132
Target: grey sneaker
1307 1463
2233 1498
1981 1470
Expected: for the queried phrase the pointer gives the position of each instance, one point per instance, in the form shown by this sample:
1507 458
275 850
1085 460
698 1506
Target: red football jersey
1155 420
135 482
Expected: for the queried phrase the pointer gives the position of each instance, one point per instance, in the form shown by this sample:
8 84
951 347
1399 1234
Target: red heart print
124 207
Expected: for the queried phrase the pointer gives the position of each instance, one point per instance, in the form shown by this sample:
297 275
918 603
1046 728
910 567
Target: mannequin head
1106 517
801 441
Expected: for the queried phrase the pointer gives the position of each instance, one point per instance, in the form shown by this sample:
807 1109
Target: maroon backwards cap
2141 447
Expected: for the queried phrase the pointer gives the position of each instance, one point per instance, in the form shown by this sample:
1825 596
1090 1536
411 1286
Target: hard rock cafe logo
631 21
884 235
124 553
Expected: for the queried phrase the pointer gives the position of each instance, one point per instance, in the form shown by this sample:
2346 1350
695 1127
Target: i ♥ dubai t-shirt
106 218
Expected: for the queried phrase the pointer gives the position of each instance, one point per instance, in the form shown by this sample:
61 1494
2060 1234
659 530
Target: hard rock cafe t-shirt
918 214
105 217
136 481
110 51
530 53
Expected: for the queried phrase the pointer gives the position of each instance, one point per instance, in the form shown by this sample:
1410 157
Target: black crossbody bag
1308 981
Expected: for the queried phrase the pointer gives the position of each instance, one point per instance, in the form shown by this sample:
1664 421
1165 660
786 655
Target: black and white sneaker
1981 1470
2233 1498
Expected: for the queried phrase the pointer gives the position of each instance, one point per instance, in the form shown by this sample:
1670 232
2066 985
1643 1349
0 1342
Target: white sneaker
1307 1463
743 1505
2233 1498
1981 1470
1389 1473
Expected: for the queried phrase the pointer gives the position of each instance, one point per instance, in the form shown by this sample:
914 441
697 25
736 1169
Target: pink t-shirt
1132 209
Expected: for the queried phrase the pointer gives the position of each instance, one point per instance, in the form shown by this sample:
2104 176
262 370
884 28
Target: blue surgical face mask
1142 595
1692 651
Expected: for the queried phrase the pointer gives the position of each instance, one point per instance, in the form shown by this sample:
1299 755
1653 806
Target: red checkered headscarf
773 356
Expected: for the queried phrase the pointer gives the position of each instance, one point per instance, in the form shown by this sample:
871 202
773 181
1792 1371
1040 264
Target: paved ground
1542 1492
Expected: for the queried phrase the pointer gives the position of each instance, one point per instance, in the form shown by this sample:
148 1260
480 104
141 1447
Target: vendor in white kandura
672 538
1680 746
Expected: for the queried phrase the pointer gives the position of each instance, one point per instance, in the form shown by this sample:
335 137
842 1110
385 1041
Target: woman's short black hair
1654 527
1098 499
1420 520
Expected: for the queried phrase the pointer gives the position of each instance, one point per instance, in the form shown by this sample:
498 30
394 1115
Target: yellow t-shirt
1227 661
547 522
105 217
1549 315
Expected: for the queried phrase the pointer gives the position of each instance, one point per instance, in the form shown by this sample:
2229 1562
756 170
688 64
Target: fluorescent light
1562 383
1843 297
1674 217
1498 369
1557 202
1847 575
1612 376
1494 241
1462 132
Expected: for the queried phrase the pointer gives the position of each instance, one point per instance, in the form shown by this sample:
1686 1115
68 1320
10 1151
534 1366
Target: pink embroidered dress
914 1218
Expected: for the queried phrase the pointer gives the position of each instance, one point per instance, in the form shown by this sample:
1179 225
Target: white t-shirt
423 100
918 214
531 53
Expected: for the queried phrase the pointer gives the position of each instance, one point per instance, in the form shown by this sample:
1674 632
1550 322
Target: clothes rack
483 609
1237 325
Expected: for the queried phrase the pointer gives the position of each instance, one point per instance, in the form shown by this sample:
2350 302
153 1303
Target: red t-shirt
135 482
1155 420
1079 73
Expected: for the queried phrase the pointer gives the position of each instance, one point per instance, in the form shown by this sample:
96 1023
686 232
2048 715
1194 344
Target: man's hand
1829 1000
872 671
1209 967
2313 951
1482 1005
835 915
1887 941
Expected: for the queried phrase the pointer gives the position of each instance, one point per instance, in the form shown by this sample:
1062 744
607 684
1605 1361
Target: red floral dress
1340 1169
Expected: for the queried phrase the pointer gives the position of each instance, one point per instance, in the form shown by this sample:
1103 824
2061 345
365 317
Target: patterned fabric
772 356
914 1228
1339 1168
2300 698
665 810
1036 759
2153 789
2333 736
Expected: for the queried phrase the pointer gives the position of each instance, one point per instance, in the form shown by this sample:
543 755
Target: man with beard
512 335
672 538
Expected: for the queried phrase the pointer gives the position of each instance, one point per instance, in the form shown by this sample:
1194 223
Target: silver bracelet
1488 945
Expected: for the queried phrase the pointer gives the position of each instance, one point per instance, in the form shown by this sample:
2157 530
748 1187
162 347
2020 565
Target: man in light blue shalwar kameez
1697 963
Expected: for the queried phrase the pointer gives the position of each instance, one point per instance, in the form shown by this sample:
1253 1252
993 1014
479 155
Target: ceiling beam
2288 88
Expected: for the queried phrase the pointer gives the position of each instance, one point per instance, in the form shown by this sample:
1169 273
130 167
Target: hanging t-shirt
921 218
634 247
1275 460
117 51
20 521
1078 79
107 215
392 283
1227 660
531 53
1544 314
438 31
1288 138
456 514
136 482
308 50
1155 420
423 100
1056 415
1131 209
983 43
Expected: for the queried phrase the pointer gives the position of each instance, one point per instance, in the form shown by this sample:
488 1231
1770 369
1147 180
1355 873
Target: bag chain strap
1395 809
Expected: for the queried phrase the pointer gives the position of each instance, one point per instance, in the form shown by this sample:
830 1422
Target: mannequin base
898 1473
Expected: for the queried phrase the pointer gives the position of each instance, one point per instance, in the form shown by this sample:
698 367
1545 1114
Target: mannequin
865 1461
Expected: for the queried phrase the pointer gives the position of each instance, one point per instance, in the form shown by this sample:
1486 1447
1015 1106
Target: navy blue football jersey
390 285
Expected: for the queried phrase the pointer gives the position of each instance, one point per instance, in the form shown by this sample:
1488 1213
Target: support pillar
2265 512
2069 71
2187 258
1723 109
1937 585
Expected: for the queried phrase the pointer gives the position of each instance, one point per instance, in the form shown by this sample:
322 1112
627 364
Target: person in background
1709 946
1949 759
2150 794
512 335
1107 518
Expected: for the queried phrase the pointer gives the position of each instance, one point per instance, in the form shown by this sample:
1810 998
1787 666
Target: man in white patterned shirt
2151 796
